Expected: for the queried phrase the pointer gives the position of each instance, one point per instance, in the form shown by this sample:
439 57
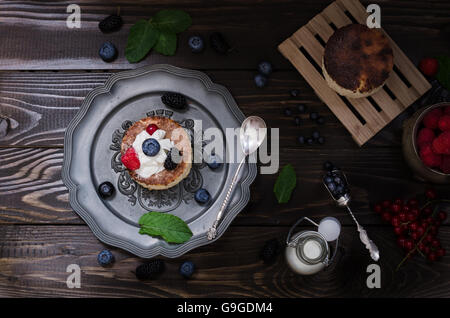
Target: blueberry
301 108
288 112
301 140
294 92
331 186
313 116
106 189
108 52
315 135
309 141
196 43
340 189
187 269
328 166
328 180
151 147
214 161
105 258
265 68
321 140
202 196
297 120
260 80
320 120
337 180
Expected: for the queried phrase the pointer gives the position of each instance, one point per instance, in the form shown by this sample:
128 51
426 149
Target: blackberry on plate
150 269
260 80
202 196
105 258
110 23
187 269
151 147
108 52
174 100
106 189
270 251
265 68
173 159
196 43
219 44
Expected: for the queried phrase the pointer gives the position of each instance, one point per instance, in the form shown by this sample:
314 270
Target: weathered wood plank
35 35
34 259
40 106
31 190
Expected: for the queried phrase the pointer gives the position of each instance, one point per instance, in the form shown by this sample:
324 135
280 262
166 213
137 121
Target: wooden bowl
411 152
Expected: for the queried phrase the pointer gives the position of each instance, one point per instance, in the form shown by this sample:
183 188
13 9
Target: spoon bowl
252 134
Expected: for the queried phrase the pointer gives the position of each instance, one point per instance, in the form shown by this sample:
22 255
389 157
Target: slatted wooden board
363 117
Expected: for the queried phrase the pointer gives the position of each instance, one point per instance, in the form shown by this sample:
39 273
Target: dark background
47 70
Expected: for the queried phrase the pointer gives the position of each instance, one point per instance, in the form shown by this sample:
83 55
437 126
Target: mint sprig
159 32
285 184
169 227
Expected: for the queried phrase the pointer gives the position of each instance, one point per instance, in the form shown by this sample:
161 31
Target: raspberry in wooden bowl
426 143
157 152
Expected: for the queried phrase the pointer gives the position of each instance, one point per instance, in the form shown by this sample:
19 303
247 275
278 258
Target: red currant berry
415 236
402 216
424 224
401 242
395 221
415 211
427 211
378 208
411 217
429 220
409 245
432 256
398 201
421 246
398 230
396 208
442 215
433 230
420 231
430 194
440 252
386 204
413 202
386 216
151 129
429 238
413 226
435 243
405 209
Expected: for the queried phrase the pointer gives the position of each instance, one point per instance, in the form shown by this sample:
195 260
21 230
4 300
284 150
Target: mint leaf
443 74
142 38
167 43
170 227
172 21
285 183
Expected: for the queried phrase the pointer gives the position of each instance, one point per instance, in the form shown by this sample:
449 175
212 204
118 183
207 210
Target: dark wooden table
47 70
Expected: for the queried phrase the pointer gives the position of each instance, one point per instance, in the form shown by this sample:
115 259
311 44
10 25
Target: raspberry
445 164
441 145
429 158
130 159
444 123
429 66
425 136
430 120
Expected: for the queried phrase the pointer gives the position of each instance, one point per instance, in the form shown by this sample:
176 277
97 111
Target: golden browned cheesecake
357 60
153 171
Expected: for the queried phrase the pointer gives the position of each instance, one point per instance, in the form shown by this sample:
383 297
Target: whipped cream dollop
152 165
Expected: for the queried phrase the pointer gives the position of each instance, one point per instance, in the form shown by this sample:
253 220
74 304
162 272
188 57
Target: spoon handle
213 230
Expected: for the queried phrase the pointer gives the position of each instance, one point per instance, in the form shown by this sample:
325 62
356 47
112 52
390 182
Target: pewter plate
92 155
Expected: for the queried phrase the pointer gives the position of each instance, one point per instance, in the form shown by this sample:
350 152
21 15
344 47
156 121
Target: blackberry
174 100
219 44
110 23
173 159
150 269
270 251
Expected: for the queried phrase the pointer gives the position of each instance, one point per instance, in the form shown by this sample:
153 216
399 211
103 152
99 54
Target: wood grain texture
34 259
31 190
35 35
40 106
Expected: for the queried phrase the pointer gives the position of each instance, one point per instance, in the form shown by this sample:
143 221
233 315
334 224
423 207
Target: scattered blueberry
151 147
297 120
313 116
339 189
260 80
309 141
265 68
110 23
321 140
288 112
301 140
196 43
328 166
337 180
214 161
301 108
105 258
106 189
219 44
320 120
174 100
331 186
294 92
202 196
270 251
187 269
328 180
150 269
315 135
108 52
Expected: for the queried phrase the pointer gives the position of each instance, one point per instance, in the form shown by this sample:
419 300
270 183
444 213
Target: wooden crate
363 117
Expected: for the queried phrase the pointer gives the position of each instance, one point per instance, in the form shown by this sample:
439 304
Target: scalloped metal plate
130 95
